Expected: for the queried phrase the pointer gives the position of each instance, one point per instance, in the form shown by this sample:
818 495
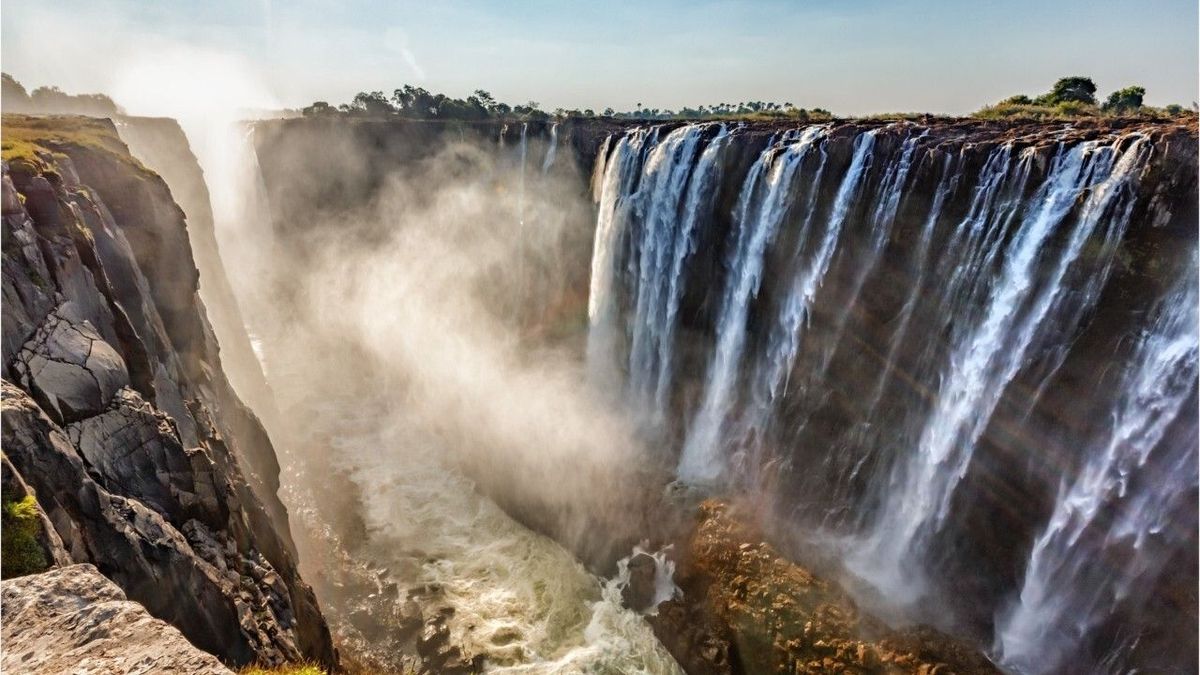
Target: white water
766 198
1118 496
394 382
986 359
552 151
518 597
664 576
993 299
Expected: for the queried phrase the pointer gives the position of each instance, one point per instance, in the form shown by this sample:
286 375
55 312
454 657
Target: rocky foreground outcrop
73 620
746 609
117 415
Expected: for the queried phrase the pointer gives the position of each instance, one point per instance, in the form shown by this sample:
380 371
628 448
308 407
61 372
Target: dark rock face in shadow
117 414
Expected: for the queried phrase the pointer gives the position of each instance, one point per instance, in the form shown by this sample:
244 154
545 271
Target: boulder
73 620
69 367
638 593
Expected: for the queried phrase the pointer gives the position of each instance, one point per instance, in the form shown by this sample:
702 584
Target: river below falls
519 599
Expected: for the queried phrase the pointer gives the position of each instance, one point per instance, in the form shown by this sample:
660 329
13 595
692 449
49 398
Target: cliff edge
117 416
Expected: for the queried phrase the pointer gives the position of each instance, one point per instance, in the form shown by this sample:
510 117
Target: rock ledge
74 620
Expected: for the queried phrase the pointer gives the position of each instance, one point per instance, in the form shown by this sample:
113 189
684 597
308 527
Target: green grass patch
286 669
20 551
36 140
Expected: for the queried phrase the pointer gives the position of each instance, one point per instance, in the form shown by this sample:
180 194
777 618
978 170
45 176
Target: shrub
1075 89
1074 109
20 551
1124 100
1019 99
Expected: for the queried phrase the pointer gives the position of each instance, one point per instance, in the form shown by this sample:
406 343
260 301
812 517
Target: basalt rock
117 415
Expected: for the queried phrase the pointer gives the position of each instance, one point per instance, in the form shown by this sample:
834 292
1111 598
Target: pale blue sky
853 57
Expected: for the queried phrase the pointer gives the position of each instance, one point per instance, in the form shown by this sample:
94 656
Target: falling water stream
870 310
995 271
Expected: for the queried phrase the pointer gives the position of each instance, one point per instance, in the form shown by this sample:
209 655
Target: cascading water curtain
881 298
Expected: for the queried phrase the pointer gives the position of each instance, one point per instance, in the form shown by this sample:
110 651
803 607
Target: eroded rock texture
117 414
73 620
746 609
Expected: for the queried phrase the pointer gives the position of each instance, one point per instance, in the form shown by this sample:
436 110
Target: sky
851 56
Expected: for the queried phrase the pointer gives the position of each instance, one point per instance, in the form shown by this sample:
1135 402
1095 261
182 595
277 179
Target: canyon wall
118 417
950 362
944 361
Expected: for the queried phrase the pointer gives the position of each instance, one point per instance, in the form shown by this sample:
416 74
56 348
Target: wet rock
73 620
638 594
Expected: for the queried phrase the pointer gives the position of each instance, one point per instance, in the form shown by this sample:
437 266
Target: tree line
1076 95
418 103
52 100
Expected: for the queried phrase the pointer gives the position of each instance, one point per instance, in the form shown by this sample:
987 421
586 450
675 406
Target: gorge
942 370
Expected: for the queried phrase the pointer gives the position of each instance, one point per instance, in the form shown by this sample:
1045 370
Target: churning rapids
964 370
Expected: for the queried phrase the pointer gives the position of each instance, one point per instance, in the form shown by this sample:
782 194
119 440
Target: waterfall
766 199
870 315
1119 497
619 174
987 356
647 233
785 335
665 176
521 188
552 150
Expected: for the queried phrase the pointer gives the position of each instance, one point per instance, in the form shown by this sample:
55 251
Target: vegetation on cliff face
21 553
287 669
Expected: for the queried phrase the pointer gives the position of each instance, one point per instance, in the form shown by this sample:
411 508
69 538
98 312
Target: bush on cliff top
20 551
1076 97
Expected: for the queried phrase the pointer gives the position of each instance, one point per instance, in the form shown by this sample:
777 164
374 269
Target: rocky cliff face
937 328
117 414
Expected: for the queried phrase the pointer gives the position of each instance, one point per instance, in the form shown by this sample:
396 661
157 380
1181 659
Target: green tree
372 103
1124 100
1075 88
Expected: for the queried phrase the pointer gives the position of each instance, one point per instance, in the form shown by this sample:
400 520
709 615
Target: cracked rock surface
73 620
120 421
69 367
